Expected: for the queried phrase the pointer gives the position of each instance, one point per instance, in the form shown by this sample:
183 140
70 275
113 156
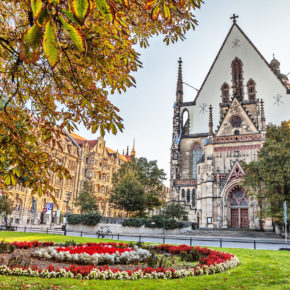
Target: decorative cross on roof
234 17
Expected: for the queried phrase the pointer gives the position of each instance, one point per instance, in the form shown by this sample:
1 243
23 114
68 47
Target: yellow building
87 160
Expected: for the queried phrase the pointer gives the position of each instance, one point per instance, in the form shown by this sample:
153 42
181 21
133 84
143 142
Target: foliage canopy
137 186
268 177
59 60
87 199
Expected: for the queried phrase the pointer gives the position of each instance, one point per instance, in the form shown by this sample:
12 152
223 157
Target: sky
147 110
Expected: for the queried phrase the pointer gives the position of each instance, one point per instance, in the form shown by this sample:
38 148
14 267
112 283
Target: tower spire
263 119
179 87
210 123
133 152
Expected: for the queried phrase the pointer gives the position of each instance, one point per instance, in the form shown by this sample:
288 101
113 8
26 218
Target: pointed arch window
196 156
188 196
185 122
251 85
193 198
225 93
183 194
237 74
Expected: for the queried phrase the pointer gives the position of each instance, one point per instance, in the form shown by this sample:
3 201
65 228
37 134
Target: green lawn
259 269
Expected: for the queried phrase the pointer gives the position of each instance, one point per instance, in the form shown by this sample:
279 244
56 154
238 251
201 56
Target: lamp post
164 216
67 207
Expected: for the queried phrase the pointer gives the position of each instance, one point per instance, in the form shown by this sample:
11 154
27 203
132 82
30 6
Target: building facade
223 126
86 160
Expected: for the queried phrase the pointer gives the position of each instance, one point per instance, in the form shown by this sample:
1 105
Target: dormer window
237 75
225 93
251 90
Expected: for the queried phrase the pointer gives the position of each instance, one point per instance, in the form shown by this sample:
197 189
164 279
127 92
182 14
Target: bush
90 219
154 222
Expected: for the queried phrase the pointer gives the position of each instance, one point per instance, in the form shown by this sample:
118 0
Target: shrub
154 222
90 219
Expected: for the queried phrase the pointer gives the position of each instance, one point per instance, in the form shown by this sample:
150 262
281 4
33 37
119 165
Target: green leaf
36 6
105 9
50 44
80 10
155 12
29 50
43 17
7 180
13 181
16 171
75 35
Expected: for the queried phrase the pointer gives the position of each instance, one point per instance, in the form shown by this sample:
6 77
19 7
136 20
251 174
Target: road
224 242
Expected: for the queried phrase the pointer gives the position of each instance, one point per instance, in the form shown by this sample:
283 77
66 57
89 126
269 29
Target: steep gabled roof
219 52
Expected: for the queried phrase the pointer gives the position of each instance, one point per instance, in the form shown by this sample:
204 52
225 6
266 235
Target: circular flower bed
133 262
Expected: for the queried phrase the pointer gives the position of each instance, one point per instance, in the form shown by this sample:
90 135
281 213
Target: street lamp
67 202
164 216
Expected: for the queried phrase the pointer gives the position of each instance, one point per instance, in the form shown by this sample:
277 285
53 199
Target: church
224 125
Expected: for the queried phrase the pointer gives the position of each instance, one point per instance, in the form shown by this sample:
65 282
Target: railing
217 242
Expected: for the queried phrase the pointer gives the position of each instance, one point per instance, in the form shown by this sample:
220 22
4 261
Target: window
183 194
185 122
92 160
196 156
225 93
237 132
237 74
104 177
188 196
251 90
193 197
236 121
103 189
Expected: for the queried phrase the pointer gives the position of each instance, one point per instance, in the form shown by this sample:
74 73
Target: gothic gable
254 68
236 174
236 121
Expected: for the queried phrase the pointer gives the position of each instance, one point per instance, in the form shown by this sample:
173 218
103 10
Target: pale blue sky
148 109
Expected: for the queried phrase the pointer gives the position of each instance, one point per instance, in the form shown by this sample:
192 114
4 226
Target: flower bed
209 261
94 254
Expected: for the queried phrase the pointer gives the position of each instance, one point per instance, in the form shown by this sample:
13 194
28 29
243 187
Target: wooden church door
244 218
235 218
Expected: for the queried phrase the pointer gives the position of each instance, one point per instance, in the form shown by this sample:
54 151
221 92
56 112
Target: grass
259 269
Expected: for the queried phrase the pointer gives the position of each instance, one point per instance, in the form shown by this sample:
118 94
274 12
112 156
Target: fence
217 242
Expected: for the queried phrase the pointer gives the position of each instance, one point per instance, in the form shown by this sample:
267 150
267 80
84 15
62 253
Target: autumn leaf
76 36
155 12
36 6
105 9
167 13
80 10
50 44
29 50
43 17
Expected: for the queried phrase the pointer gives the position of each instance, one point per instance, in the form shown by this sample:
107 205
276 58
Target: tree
176 210
59 60
268 177
137 186
87 200
6 207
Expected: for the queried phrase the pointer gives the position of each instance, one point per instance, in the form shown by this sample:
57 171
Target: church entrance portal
238 204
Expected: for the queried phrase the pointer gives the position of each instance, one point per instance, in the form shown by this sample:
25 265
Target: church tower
176 134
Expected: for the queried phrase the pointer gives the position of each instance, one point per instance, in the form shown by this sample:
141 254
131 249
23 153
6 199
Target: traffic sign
49 206
44 210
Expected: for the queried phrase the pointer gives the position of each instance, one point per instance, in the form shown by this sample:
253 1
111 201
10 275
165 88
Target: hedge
90 219
154 222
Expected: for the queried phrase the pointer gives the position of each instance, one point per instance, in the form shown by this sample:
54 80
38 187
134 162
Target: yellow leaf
36 6
80 9
50 44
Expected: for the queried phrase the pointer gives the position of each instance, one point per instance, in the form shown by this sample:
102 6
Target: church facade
224 125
